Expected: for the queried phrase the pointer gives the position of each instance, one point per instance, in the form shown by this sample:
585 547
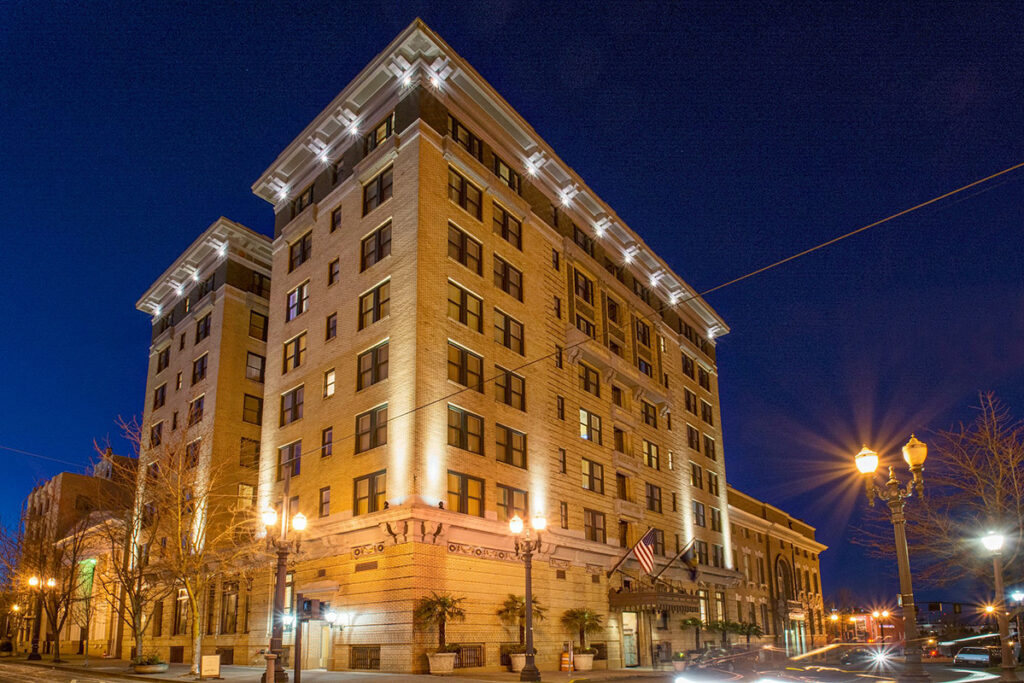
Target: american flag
644 551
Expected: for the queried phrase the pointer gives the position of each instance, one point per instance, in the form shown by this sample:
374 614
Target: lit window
375 246
465 367
294 352
510 388
590 426
464 249
291 405
506 225
465 430
512 502
380 133
297 301
375 304
370 493
464 193
372 366
372 428
465 494
511 446
252 409
464 307
299 251
508 331
378 190
593 476
329 383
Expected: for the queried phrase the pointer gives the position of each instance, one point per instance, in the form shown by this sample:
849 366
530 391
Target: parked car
978 656
860 655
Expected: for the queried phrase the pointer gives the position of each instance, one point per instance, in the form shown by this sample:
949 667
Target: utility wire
42 457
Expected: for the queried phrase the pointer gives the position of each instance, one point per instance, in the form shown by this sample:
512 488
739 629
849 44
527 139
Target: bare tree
974 482
190 527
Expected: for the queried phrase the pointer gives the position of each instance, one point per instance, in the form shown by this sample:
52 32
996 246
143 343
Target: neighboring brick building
778 558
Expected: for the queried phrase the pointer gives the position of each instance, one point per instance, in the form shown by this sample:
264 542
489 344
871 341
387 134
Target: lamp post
283 546
834 618
1018 597
37 619
526 547
993 543
914 453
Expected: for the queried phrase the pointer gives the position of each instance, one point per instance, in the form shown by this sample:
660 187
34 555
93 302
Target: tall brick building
459 330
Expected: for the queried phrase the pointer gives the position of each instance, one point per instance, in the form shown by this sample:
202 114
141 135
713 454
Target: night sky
728 135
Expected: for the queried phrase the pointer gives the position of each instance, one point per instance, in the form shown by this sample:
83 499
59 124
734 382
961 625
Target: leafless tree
974 483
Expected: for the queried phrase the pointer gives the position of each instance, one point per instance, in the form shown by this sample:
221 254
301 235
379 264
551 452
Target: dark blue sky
727 134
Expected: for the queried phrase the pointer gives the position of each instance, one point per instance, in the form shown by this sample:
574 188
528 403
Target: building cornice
223 239
418 57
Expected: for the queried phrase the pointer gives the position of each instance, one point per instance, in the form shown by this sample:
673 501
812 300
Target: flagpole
672 561
629 552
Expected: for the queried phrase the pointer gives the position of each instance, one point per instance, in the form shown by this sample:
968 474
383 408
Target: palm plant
583 621
725 627
696 624
513 613
439 609
749 629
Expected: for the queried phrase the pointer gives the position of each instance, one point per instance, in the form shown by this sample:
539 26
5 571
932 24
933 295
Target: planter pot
150 668
517 662
679 665
583 662
441 662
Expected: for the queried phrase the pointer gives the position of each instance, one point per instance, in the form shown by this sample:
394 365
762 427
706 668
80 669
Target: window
465 494
465 430
560 407
181 611
203 328
257 326
590 426
696 475
333 271
375 247
461 135
558 308
707 413
378 190
716 519
174 420
709 447
614 311
510 388
593 525
590 380
289 460
255 366
508 331
563 514
583 240
192 455
252 409
372 366
558 356
331 327
177 382
619 439
199 366
294 352
699 514
508 278
658 536
650 413
643 333
465 308
299 251
621 486
229 608
688 366
653 498
511 446
329 377
717 556
556 260
291 405
693 438
181 339
369 493
593 476
302 201
675 508
156 434
642 292
159 396
465 367
505 172
297 302
512 502
324 507
375 304
379 134
326 442
464 193
652 457
691 401
584 325
583 286
163 359
372 428
617 396
464 249
704 378
195 411
335 219
506 225
562 465
645 367
712 483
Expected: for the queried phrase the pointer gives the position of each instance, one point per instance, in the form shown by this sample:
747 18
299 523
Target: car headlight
881 657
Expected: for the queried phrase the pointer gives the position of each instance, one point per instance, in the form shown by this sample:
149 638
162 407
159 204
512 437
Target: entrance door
312 647
629 637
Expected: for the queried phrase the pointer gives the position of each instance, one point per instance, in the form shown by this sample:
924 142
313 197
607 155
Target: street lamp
283 546
526 547
37 621
993 543
914 453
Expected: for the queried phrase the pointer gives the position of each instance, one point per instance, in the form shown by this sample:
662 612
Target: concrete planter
583 662
679 664
517 662
149 668
441 662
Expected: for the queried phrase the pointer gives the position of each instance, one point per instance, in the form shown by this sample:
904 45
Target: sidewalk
249 674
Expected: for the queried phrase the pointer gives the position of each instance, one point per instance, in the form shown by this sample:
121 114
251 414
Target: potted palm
725 627
438 609
513 613
696 624
149 664
582 621
749 629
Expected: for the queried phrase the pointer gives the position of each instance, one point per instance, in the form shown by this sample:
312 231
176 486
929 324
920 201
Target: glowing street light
994 542
526 547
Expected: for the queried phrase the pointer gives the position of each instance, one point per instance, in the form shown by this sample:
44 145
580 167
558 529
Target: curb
98 673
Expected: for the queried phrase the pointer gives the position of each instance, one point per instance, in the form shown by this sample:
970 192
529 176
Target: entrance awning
651 600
